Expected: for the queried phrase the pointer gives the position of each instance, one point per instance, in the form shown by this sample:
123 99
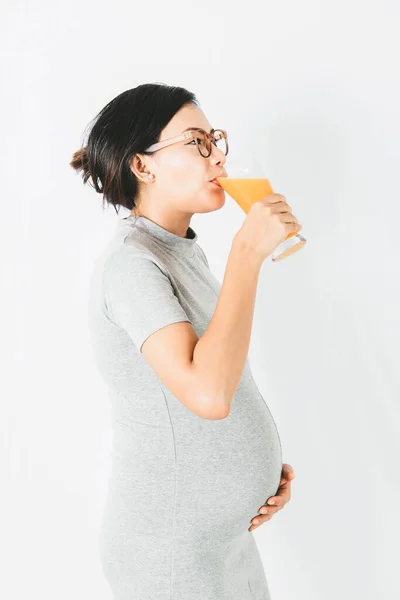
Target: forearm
220 354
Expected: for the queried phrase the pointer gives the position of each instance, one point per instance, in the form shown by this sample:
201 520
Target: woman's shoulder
133 254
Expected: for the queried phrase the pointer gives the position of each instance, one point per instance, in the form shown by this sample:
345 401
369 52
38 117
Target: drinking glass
247 183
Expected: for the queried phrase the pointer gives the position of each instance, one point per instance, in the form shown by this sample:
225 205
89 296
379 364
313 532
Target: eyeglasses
203 141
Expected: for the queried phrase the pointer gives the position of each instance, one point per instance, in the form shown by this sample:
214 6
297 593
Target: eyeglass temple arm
178 138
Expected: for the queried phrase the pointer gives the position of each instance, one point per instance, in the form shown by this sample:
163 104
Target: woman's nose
218 156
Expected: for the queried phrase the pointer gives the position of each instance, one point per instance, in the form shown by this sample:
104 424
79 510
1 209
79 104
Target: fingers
287 472
289 217
274 503
280 207
259 520
273 199
288 468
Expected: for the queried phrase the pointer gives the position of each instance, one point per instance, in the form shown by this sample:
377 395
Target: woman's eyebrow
196 129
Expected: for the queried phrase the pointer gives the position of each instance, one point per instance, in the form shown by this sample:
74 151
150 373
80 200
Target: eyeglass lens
204 143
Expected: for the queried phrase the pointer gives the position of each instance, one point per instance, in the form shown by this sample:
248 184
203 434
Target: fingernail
271 501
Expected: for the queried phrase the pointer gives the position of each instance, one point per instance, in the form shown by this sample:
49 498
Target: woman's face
182 176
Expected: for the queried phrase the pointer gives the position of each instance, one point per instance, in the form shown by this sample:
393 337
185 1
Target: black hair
127 125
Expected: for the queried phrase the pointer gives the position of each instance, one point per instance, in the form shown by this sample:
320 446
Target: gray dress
183 489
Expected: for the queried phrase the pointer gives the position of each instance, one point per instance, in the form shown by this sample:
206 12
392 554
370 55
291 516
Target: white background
314 88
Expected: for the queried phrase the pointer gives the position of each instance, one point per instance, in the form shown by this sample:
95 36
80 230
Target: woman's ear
139 169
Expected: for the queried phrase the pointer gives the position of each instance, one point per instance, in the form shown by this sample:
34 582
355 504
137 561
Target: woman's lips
215 182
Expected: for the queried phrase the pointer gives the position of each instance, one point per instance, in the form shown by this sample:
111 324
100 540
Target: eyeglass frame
191 135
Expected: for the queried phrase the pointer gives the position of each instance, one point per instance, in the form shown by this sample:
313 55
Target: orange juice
245 190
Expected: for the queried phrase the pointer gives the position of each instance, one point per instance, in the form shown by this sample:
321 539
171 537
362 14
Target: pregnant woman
196 452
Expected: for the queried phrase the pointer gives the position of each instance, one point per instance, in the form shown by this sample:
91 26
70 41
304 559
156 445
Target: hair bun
80 162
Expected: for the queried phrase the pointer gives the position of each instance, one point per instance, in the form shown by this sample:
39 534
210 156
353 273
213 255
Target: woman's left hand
278 501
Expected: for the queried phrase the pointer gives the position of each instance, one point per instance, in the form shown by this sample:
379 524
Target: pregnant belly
228 471
198 479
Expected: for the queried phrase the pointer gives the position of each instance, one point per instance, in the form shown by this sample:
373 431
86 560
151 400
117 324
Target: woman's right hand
267 224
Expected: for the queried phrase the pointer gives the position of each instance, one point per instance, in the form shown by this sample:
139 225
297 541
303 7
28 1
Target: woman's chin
216 200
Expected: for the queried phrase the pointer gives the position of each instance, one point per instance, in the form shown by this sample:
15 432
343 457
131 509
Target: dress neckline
164 236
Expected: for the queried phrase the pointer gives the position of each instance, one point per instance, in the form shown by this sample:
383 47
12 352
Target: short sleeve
139 295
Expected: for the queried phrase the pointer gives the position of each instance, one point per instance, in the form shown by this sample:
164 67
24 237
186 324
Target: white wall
314 88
